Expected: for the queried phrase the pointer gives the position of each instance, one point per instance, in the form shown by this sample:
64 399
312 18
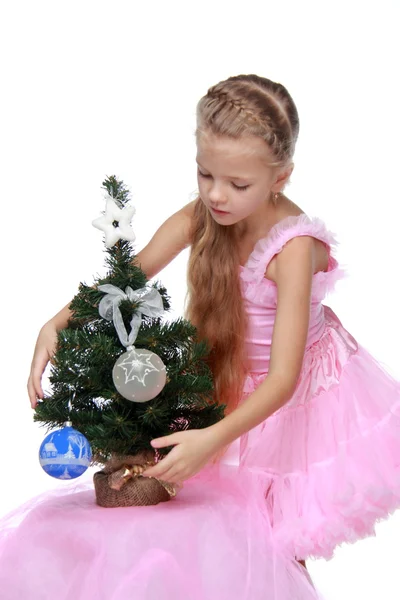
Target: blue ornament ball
65 453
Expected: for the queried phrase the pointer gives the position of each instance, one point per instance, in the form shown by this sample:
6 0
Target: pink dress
330 458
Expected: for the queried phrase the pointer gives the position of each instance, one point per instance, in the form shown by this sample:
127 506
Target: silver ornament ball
139 375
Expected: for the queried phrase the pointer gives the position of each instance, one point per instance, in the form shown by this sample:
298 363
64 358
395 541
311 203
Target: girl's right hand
44 351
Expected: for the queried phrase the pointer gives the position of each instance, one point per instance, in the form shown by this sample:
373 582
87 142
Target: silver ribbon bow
151 305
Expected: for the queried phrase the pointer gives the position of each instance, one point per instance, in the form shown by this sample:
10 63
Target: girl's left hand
193 449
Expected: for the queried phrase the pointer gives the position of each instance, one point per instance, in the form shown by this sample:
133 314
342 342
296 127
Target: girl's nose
216 194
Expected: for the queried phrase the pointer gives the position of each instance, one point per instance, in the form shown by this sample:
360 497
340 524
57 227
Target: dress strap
279 235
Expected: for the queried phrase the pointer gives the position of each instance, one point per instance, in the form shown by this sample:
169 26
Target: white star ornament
116 223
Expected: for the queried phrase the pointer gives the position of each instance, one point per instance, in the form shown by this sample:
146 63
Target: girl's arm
294 268
292 272
168 241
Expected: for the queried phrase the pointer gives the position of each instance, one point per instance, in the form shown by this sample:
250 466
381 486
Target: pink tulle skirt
212 542
331 456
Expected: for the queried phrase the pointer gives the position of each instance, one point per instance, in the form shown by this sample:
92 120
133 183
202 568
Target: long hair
241 105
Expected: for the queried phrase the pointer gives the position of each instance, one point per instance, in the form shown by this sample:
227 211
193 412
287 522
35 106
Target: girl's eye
240 187
237 187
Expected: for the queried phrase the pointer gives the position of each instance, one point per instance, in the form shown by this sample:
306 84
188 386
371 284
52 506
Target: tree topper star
116 222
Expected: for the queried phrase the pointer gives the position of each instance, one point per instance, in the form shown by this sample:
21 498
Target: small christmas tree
83 388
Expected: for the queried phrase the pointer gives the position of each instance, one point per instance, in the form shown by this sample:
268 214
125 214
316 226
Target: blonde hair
240 106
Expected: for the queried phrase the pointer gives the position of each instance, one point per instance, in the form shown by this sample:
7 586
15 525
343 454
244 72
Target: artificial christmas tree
121 399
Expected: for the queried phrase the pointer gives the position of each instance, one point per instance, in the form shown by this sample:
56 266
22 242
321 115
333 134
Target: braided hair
252 105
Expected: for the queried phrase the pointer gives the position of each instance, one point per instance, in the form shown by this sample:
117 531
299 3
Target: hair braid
253 105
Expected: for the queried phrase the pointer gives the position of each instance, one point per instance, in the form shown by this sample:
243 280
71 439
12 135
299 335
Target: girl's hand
193 449
44 350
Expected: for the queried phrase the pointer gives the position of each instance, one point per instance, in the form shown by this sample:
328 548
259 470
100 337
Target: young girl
313 420
318 418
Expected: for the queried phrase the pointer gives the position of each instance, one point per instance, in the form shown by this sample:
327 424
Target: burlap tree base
120 483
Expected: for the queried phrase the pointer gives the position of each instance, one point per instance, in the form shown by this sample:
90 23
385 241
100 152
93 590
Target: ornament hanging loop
151 305
68 423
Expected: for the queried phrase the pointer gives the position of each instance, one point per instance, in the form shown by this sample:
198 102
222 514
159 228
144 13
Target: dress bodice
260 293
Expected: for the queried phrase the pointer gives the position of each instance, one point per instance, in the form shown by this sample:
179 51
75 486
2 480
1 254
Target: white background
93 88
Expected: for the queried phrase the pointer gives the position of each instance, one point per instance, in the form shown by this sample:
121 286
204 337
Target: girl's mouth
219 212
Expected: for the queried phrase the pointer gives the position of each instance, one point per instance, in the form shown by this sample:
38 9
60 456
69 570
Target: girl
319 419
313 420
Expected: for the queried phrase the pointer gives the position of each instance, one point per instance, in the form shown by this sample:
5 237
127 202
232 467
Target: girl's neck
252 230
258 224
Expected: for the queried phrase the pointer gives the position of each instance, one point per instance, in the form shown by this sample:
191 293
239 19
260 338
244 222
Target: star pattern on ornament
137 369
116 222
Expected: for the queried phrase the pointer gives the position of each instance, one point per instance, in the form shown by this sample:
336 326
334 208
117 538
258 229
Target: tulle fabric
212 542
331 456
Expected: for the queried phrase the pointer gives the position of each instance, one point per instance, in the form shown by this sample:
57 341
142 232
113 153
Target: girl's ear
282 178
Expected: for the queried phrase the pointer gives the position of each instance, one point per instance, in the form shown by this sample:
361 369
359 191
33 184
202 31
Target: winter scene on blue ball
65 453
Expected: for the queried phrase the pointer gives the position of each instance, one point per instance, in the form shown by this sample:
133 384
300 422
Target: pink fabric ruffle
256 288
330 458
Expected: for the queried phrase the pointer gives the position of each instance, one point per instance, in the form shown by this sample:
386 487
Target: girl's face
235 181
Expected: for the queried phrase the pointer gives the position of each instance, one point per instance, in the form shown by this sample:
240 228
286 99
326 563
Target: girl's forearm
270 395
